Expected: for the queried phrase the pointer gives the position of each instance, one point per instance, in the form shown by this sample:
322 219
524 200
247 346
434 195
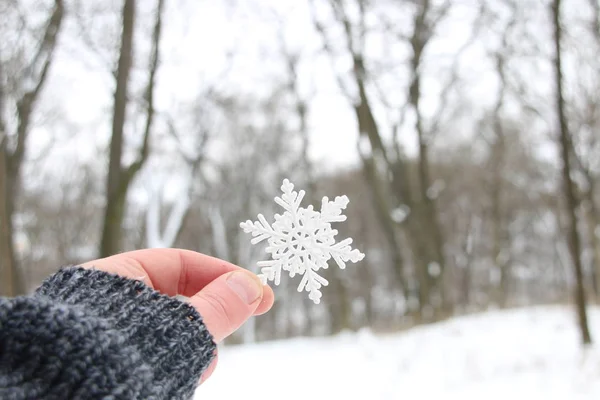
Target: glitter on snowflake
301 240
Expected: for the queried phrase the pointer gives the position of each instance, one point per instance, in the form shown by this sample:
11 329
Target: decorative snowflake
301 241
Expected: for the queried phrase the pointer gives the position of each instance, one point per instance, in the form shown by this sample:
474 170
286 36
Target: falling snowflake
301 241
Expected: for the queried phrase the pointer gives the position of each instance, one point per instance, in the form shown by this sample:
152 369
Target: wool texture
88 334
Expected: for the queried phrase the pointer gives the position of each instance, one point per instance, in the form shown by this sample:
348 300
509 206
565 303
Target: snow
400 214
524 354
434 269
434 191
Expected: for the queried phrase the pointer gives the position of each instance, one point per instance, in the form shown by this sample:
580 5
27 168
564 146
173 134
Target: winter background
439 119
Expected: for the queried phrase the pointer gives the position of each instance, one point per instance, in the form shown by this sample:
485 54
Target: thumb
228 301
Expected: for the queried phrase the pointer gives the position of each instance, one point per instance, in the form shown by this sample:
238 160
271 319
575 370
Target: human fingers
173 271
170 271
228 301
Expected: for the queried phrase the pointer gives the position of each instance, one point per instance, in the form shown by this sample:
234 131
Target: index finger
170 271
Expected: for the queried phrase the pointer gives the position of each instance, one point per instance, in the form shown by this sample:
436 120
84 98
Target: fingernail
245 286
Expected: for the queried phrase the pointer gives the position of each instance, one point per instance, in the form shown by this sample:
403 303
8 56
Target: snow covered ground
524 354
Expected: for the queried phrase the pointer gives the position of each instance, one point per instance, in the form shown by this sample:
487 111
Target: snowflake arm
312 282
301 240
331 211
260 229
342 253
290 200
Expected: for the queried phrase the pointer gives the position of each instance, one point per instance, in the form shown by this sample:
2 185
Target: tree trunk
376 155
501 287
569 189
339 307
8 273
119 178
498 162
593 225
7 262
115 200
382 210
429 216
11 161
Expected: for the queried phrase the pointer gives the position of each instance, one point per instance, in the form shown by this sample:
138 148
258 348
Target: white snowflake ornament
301 240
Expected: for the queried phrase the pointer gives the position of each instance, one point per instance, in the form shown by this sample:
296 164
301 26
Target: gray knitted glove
88 334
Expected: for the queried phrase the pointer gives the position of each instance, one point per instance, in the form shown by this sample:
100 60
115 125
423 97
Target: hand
224 295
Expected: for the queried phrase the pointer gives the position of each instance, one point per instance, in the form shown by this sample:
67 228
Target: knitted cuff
169 334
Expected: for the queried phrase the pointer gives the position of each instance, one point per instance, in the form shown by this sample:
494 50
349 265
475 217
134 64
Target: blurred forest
465 133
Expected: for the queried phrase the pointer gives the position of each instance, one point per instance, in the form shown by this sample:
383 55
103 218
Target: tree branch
33 80
149 94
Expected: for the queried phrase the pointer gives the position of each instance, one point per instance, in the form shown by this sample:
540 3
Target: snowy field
524 354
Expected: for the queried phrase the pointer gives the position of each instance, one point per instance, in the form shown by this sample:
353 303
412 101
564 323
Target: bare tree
119 177
371 149
499 148
13 145
586 141
586 162
393 181
425 22
569 187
